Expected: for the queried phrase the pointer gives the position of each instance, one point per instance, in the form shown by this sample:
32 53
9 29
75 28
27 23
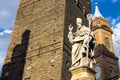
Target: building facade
106 61
39 48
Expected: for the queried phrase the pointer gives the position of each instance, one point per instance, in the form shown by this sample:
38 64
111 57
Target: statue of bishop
79 41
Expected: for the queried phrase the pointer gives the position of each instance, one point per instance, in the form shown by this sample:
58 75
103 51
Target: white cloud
116 35
109 18
114 1
118 25
7 31
117 32
1 33
118 18
113 22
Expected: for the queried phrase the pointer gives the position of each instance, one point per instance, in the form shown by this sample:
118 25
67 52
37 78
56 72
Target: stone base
82 73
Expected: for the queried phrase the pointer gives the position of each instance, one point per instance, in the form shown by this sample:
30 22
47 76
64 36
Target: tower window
107 43
111 70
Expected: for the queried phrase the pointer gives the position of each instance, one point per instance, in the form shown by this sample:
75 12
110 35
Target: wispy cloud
115 23
114 1
6 31
116 33
1 33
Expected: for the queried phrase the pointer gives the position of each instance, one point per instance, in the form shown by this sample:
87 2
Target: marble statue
79 41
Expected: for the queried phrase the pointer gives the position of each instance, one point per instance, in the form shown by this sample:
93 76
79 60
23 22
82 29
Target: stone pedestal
82 73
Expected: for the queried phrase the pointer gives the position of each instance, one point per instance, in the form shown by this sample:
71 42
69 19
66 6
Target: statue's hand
90 37
70 28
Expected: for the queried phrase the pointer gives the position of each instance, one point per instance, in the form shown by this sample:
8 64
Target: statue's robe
79 44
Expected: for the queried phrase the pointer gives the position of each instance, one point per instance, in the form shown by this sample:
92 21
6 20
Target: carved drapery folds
79 41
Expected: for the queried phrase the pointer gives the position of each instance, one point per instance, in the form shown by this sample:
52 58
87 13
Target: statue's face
79 25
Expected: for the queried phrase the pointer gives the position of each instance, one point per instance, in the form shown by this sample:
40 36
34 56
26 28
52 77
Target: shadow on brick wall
14 70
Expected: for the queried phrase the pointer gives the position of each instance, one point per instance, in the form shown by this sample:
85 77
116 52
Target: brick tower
107 62
39 48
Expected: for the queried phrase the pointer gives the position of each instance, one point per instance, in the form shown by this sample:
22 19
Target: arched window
107 43
111 69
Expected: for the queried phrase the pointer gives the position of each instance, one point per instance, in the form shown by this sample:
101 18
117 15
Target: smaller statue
79 41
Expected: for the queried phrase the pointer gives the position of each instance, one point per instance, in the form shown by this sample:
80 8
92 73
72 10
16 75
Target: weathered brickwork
39 48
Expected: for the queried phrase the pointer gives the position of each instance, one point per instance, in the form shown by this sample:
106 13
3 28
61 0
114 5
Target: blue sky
8 8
